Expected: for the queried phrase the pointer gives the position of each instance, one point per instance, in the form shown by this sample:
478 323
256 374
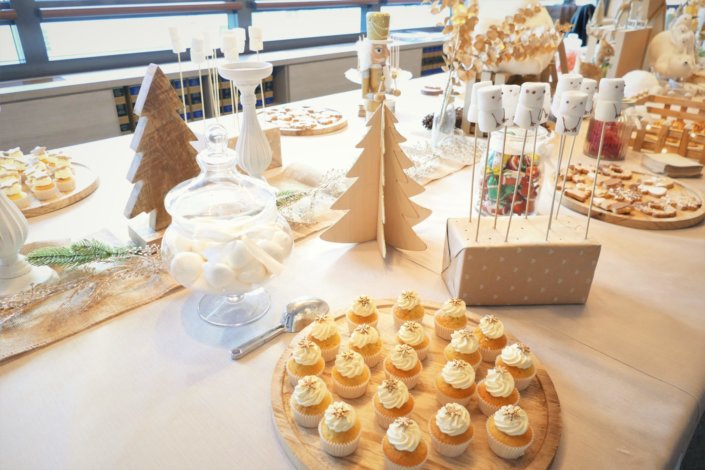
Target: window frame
28 15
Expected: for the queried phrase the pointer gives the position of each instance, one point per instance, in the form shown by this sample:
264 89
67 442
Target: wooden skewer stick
531 173
472 177
561 149
594 183
499 178
200 88
482 188
216 81
516 183
181 85
565 176
232 101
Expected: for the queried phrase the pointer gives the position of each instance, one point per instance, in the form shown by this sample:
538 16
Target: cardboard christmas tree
164 155
378 202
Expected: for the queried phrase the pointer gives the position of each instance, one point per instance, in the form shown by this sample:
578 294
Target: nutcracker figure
375 71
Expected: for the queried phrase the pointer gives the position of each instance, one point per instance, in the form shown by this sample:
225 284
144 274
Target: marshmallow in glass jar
226 237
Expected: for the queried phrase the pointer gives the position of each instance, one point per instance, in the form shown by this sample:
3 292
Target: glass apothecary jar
504 166
226 237
616 144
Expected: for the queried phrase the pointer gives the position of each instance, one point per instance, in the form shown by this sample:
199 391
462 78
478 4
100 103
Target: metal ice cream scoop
300 312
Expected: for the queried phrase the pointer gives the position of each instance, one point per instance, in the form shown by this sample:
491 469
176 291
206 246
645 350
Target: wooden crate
681 129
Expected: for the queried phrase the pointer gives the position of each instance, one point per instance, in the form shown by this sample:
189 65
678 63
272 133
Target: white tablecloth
155 387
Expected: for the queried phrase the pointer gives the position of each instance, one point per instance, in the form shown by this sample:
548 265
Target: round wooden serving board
86 183
638 219
318 130
302 445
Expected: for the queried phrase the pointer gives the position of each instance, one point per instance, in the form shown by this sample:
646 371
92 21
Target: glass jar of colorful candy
504 164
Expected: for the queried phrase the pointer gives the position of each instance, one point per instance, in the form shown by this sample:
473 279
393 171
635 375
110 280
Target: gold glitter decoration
323 318
339 411
403 422
455 302
309 383
453 410
391 385
511 412
348 355
364 301
411 325
491 319
305 344
459 364
408 295
363 329
524 348
405 349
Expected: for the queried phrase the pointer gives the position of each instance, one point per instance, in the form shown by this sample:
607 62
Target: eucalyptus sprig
83 252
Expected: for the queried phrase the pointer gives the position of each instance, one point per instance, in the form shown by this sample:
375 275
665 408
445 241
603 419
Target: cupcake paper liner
339 450
294 379
503 450
443 398
443 331
489 409
373 359
410 382
475 366
350 391
330 353
306 421
383 420
445 449
389 465
523 384
398 322
352 326
489 355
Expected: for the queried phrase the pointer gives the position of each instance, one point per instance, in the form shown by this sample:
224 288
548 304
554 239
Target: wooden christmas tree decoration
378 203
164 158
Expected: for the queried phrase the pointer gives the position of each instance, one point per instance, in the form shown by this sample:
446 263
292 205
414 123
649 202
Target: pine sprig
288 197
79 253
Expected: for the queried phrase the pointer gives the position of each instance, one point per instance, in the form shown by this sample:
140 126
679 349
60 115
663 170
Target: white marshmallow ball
186 267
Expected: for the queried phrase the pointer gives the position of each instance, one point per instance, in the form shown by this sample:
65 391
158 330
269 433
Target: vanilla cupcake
365 341
413 334
13 190
324 332
451 430
496 390
464 346
350 375
362 311
42 186
392 401
403 446
407 307
340 430
450 317
490 335
455 383
403 364
305 360
309 401
509 433
518 360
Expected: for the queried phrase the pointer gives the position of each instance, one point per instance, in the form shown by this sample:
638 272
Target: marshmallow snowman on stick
528 116
544 119
608 108
589 87
472 117
490 116
257 44
571 109
510 100
566 82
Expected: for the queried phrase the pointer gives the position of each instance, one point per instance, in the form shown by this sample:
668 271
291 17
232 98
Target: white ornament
218 275
237 255
490 113
472 111
510 100
273 249
255 273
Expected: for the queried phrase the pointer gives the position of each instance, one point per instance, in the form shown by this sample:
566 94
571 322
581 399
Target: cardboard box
526 270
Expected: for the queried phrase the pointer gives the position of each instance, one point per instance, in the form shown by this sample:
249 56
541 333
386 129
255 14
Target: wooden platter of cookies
86 184
303 446
304 120
633 199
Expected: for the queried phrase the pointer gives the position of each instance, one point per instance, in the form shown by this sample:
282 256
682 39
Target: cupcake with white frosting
496 390
392 401
365 340
451 430
450 317
309 401
340 429
490 336
403 364
455 383
403 446
464 346
305 360
509 433
350 375
407 307
362 311
518 360
413 334
324 332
